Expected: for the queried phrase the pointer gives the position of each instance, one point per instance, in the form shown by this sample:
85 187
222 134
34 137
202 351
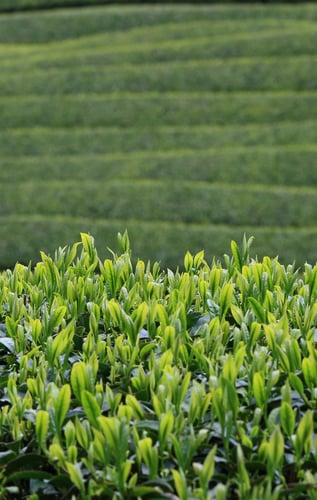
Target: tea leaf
236 255
91 407
110 275
139 316
162 315
36 328
244 480
257 309
11 327
229 369
188 262
208 467
78 379
83 433
110 428
313 283
41 427
214 280
135 405
259 389
287 418
180 484
237 314
166 427
30 475
76 476
225 298
296 383
304 433
61 343
62 404
275 449
56 318
124 242
147 453
115 312
88 244
199 259
293 354
310 371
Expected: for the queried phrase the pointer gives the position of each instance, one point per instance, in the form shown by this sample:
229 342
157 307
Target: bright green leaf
91 407
62 404
257 309
287 416
259 389
41 427
78 379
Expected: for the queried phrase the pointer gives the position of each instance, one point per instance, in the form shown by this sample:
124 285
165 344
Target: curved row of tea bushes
18 5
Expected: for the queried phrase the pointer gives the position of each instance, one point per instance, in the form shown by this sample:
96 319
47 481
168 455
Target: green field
193 123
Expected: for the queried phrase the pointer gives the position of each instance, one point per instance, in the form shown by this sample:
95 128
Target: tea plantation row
16 5
269 206
193 123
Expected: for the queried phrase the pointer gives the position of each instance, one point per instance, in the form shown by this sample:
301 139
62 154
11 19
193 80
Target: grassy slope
180 120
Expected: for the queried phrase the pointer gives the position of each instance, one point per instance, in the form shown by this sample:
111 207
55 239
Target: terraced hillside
187 125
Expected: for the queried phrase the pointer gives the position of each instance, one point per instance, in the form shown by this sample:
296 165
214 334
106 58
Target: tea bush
147 109
125 380
298 73
223 204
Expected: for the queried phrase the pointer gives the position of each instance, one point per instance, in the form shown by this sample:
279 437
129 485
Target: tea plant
119 379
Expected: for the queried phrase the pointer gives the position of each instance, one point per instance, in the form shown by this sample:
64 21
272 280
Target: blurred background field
186 124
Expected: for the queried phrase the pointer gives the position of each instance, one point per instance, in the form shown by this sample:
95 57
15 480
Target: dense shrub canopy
128 381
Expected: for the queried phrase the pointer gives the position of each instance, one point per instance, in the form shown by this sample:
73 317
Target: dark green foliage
55 230
25 28
17 5
184 202
209 76
148 109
